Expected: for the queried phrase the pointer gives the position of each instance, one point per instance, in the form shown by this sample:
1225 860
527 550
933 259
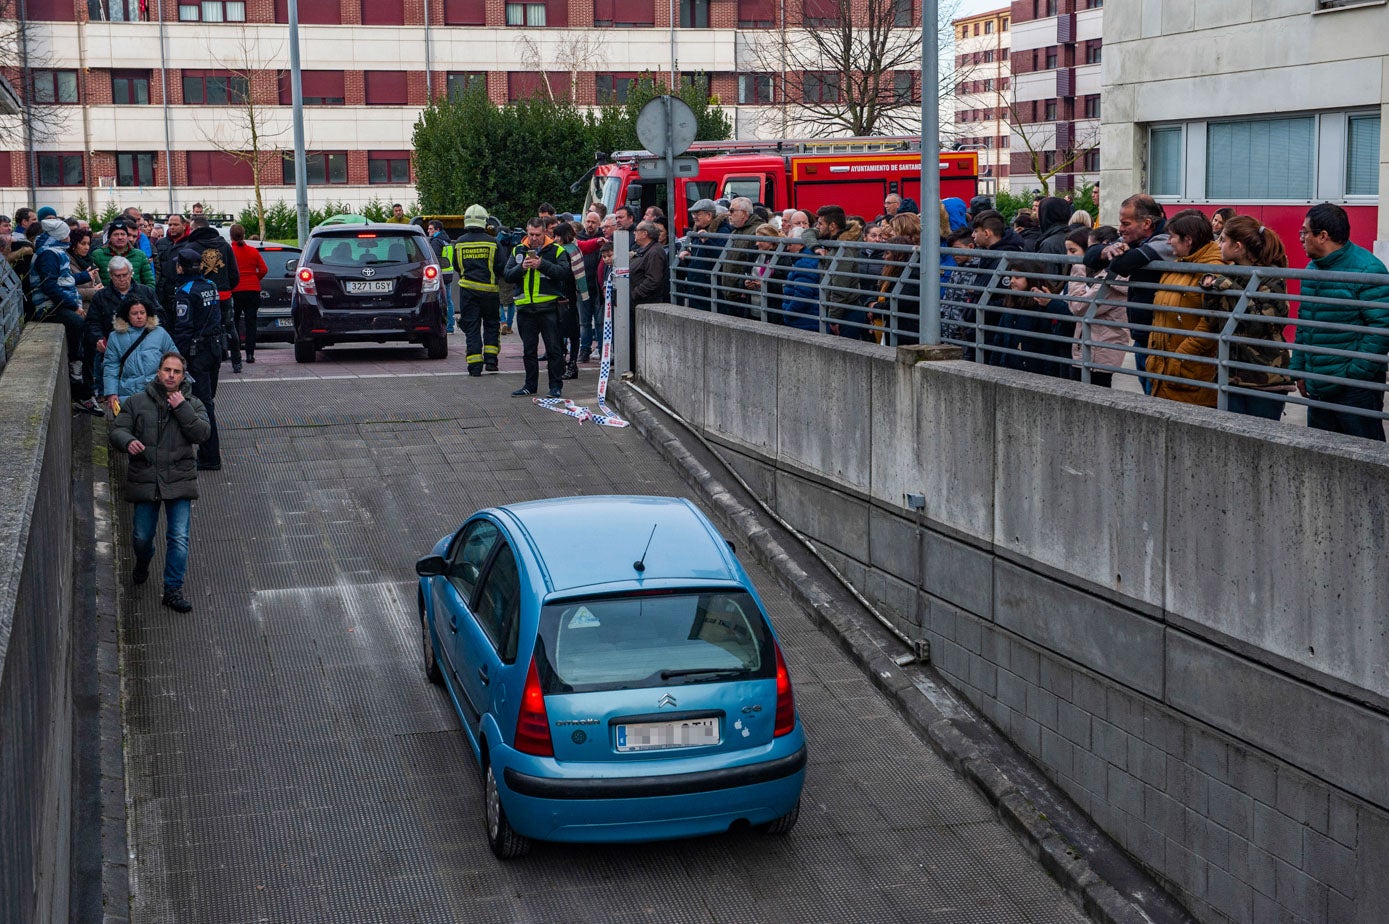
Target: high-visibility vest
536 289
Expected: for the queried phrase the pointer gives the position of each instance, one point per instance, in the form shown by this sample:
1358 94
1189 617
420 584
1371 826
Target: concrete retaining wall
1181 615
36 583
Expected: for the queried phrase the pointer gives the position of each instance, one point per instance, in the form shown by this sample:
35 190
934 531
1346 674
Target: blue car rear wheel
501 837
785 823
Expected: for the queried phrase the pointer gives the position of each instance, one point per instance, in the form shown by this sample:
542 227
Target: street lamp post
301 182
930 173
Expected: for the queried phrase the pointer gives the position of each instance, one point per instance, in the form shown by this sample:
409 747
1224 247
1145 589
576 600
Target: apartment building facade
1055 104
144 100
983 45
1267 108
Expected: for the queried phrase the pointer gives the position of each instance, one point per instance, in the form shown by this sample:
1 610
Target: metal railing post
1087 330
980 339
1222 349
715 290
826 273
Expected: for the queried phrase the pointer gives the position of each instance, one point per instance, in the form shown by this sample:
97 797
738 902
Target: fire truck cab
856 173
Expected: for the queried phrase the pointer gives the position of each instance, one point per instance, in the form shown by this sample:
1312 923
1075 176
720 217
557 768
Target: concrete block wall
36 585
1180 615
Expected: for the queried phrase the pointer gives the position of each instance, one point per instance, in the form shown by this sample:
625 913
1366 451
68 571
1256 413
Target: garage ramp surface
287 761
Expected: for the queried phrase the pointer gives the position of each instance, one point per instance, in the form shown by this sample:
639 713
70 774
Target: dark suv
368 283
273 323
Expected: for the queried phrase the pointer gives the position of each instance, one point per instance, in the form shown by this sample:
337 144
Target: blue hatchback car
615 672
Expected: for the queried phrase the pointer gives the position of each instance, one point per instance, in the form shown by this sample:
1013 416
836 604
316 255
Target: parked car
367 283
273 323
615 673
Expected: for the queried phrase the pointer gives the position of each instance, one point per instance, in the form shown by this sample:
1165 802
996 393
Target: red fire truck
856 173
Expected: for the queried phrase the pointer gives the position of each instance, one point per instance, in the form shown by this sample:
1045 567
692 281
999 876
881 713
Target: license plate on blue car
683 733
283 322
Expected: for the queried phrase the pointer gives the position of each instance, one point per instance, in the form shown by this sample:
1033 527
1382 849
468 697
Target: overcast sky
970 7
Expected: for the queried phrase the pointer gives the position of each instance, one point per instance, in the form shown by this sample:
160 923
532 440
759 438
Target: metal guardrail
872 292
11 310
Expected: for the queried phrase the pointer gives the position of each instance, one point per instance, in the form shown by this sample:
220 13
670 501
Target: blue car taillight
785 699
533 725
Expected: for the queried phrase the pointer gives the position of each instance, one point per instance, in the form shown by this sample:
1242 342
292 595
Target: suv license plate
370 287
283 322
686 733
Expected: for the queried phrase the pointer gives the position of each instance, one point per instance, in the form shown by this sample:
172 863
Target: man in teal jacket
1326 239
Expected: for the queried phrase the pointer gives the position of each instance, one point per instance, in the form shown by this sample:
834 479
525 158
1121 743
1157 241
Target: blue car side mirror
430 566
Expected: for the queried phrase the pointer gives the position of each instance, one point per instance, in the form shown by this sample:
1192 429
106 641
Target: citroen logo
368 272
664 701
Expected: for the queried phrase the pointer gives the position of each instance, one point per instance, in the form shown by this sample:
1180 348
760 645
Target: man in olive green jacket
160 429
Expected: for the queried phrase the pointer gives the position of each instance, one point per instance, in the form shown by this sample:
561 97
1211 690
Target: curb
953 740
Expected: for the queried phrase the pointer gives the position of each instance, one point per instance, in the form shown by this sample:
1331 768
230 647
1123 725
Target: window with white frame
1332 155
1259 159
1362 155
212 11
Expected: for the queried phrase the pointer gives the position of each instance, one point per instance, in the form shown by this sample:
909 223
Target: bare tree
576 52
1046 162
252 128
40 119
854 67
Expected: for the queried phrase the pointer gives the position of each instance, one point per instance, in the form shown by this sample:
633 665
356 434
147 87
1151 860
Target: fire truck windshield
604 189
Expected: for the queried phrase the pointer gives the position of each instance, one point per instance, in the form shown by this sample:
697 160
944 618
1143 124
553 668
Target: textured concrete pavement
288 762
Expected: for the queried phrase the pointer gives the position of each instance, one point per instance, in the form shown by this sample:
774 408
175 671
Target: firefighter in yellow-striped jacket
479 262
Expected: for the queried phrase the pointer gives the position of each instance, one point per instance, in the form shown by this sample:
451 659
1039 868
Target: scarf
576 266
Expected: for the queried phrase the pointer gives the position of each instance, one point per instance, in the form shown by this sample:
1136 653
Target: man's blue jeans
177 516
448 307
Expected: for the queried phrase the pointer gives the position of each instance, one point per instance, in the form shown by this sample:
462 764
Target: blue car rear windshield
631 642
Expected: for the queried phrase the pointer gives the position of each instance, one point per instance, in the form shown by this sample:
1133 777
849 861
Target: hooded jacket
141 362
1053 216
226 277
1177 334
52 283
168 468
957 212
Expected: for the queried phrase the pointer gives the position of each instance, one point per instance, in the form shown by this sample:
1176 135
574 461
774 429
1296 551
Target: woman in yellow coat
1179 328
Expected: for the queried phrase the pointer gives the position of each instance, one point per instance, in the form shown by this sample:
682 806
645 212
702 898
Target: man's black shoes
585 356
522 392
555 393
141 572
209 466
571 371
175 601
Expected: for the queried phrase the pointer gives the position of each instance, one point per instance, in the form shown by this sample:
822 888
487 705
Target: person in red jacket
246 292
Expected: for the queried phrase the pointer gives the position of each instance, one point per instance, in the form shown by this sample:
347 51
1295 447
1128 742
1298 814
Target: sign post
666 126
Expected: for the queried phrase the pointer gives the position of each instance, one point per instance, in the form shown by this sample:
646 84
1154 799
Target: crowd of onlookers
1031 309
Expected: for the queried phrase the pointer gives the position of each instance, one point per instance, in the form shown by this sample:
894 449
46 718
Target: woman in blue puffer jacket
800 293
133 351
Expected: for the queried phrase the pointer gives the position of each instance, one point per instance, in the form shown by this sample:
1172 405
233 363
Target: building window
988 28
1050 111
46 11
1165 161
117 11
212 11
522 85
1048 8
321 168
697 80
1092 107
61 170
694 14
311 12
613 88
383 12
821 87
756 14
465 12
388 167
525 14
460 82
386 88
321 88
210 88
626 14
218 168
1091 162
1093 51
134 169
130 88
54 87
903 15
1362 155
903 87
1050 58
1261 159
754 89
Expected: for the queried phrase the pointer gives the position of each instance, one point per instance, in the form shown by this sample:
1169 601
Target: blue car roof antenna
640 563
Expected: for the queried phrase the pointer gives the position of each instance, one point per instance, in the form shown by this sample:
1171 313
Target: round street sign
656 136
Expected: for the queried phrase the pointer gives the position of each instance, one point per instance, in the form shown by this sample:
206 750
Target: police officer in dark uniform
480 262
201 338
